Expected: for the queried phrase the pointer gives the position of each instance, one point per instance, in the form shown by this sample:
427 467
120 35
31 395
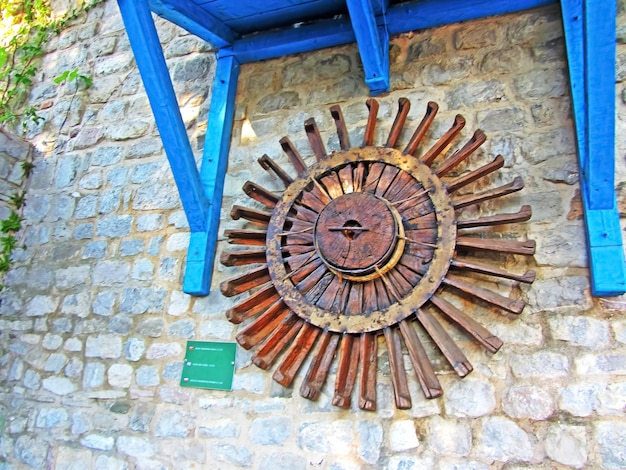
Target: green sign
209 365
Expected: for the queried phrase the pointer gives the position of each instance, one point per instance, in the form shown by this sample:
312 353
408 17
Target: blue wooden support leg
201 253
373 43
153 69
590 38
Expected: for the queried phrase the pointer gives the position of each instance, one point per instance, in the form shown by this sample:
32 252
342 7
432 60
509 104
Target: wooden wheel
364 243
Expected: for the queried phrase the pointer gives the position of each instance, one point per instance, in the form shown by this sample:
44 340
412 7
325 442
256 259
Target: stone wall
93 322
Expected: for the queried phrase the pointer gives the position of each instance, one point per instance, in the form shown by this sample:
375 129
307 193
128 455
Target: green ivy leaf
8 243
12 223
61 78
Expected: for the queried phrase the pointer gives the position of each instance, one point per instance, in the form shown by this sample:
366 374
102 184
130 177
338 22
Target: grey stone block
109 273
52 418
142 300
152 327
96 249
86 206
148 376
83 231
131 247
121 324
115 226
93 376
110 201
105 346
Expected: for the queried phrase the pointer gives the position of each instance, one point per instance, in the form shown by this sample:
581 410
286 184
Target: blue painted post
590 37
153 69
201 254
373 43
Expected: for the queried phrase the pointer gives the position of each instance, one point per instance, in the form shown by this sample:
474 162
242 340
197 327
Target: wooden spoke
359 177
265 356
524 214
319 192
340 124
264 325
375 170
255 216
240 258
273 168
299 260
445 343
254 304
355 299
295 355
313 134
346 371
459 263
421 364
383 298
297 237
372 105
332 183
399 382
245 282
306 214
476 198
327 299
472 176
346 179
368 362
403 183
305 270
444 141
386 179
404 106
294 156
310 201
424 125
246 237
361 243
312 279
472 327
513 306
461 155
318 370
526 247
260 194
313 295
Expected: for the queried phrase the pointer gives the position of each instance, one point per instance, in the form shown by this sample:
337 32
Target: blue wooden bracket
373 43
590 37
200 191
201 254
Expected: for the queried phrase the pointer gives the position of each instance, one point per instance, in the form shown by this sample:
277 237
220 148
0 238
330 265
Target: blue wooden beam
194 19
373 43
590 38
431 13
153 69
201 254
268 45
